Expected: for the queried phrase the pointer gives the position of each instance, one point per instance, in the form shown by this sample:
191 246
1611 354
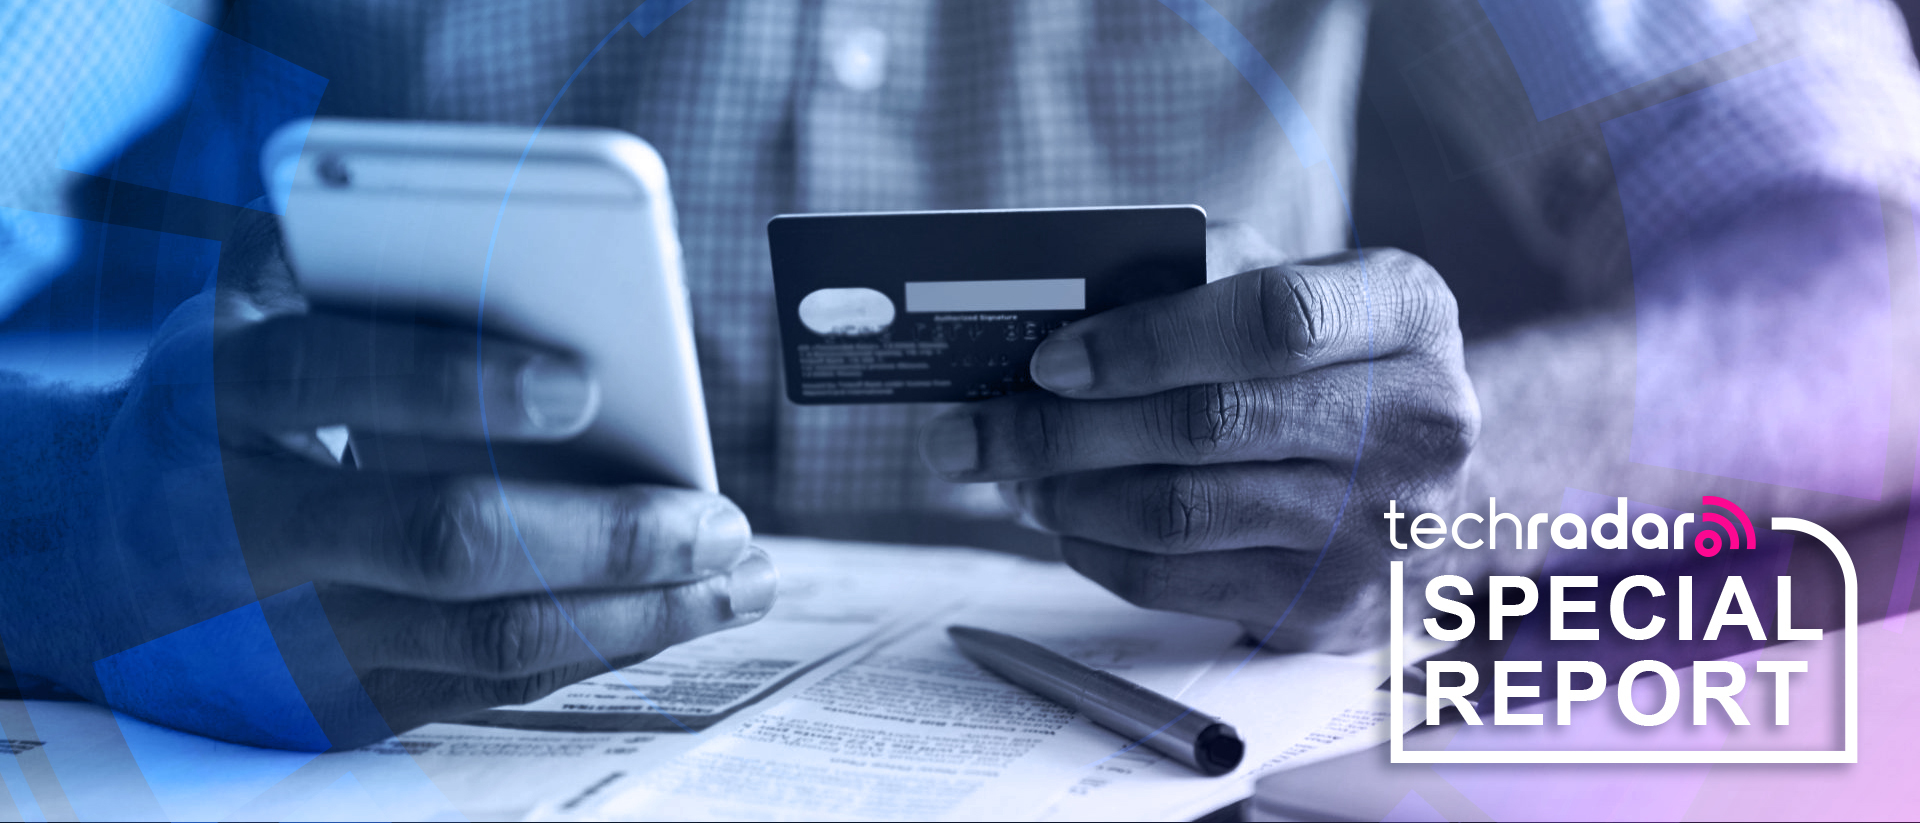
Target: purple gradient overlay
1818 418
1903 576
1875 788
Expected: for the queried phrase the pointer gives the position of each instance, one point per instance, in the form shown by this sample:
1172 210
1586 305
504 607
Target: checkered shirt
761 108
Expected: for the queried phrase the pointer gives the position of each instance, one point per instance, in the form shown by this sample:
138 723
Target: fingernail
724 534
950 444
558 396
1061 365
752 585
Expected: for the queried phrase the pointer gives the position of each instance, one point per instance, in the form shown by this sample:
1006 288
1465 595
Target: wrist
53 496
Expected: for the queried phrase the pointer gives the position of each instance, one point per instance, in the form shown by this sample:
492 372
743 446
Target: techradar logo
1572 531
1722 526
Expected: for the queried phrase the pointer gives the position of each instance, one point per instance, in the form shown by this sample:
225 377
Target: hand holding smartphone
562 237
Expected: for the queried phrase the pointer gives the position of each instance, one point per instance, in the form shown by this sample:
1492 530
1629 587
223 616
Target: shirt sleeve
1603 125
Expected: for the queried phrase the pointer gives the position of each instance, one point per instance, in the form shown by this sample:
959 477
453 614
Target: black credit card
945 306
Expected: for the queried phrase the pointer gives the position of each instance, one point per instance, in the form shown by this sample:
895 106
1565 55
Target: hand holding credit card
1199 445
910 307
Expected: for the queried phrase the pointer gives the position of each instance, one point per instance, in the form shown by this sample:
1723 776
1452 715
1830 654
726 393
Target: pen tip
1218 750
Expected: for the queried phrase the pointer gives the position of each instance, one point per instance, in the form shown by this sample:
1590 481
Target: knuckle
1444 429
1210 421
1211 591
1041 435
633 541
451 545
1423 295
1460 429
511 637
1467 414
1178 509
1293 316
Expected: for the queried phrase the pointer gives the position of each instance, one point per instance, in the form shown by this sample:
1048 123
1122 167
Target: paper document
915 731
1291 709
848 702
828 604
110 766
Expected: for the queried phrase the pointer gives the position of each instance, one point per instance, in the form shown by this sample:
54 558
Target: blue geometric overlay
210 148
224 675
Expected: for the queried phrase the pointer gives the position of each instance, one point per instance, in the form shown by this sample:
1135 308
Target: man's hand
448 593
1198 452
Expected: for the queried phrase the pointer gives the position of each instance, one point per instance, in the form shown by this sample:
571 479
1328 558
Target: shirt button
859 59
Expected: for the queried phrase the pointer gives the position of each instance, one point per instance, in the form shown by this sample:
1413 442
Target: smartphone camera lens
332 171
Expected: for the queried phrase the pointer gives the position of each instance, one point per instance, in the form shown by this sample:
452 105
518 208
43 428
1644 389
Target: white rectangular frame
1851 754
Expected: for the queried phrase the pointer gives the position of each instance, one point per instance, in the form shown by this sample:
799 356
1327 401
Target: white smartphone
565 237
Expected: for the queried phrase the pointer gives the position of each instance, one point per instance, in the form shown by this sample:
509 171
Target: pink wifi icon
1707 541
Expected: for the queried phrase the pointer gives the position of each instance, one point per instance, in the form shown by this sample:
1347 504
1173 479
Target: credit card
947 306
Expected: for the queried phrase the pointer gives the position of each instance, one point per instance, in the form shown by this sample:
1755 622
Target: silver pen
1178 731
